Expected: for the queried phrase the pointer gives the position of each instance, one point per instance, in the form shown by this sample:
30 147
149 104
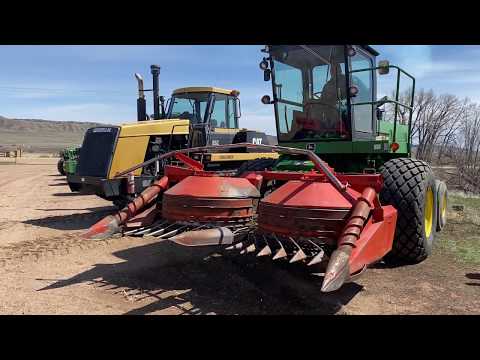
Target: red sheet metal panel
204 199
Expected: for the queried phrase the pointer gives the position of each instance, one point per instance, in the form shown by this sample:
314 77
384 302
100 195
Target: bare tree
435 121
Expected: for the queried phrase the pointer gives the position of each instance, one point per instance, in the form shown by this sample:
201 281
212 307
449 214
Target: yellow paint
218 157
444 205
428 212
210 89
155 127
133 140
129 152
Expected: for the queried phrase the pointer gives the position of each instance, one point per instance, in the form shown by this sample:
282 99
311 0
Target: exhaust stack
141 103
155 69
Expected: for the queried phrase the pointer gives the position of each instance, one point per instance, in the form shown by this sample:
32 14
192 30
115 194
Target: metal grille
97 151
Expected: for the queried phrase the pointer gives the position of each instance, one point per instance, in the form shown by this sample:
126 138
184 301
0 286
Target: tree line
445 130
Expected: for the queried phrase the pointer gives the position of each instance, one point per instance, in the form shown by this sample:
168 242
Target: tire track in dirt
43 247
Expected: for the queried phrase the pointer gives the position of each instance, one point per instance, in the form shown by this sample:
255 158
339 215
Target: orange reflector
394 146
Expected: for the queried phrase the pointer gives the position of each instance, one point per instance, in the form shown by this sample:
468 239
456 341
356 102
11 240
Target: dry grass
461 237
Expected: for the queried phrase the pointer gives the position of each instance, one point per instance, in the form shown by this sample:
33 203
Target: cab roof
367 48
370 50
197 89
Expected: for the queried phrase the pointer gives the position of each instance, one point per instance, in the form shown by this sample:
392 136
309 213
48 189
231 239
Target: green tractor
325 100
68 160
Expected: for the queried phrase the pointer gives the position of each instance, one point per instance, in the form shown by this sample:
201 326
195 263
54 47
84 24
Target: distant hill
46 136
43 136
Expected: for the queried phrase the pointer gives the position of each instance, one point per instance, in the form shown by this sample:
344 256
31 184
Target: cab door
223 121
364 124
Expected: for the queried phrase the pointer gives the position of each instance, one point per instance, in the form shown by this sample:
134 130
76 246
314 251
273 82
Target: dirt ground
45 268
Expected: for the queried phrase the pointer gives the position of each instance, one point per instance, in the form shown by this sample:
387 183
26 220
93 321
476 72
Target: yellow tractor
193 117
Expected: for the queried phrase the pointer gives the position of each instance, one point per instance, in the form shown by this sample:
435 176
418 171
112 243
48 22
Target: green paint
70 157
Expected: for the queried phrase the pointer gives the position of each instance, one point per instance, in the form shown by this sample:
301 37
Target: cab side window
362 114
218 118
231 121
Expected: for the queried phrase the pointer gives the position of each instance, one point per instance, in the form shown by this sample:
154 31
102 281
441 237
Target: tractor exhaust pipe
141 103
155 69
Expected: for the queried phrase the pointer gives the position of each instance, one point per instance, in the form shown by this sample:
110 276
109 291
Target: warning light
394 146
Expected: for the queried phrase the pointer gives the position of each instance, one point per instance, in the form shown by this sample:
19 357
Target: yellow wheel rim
444 205
428 212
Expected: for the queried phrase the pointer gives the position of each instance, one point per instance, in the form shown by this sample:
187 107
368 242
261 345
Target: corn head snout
333 223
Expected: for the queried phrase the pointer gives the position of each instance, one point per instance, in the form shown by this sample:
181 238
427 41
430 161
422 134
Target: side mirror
267 75
383 67
380 113
263 64
238 111
266 100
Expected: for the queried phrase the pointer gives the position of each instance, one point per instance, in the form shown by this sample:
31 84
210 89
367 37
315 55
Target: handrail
319 163
396 102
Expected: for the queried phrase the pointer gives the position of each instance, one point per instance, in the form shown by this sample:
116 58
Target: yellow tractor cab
214 115
193 116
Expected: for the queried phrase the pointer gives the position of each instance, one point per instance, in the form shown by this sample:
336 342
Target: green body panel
351 156
401 138
290 163
70 166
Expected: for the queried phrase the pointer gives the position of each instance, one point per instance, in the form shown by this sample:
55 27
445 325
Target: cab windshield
191 106
309 84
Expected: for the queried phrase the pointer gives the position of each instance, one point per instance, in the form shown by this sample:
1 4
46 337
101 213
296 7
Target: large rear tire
409 185
60 167
256 165
442 196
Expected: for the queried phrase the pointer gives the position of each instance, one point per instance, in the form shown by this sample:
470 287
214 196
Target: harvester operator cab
313 88
325 93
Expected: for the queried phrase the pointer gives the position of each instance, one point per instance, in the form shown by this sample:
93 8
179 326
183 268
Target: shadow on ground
167 277
68 194
92 209
59 184
72 221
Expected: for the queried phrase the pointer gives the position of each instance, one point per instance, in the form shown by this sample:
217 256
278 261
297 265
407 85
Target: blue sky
96 83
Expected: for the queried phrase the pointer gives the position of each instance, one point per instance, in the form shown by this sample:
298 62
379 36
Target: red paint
194 164
375 241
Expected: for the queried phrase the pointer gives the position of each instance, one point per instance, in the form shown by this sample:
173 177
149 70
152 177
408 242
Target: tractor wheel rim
428 212
444 205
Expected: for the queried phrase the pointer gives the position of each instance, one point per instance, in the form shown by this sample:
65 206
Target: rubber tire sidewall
410 244
60 167
256 165
441 192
